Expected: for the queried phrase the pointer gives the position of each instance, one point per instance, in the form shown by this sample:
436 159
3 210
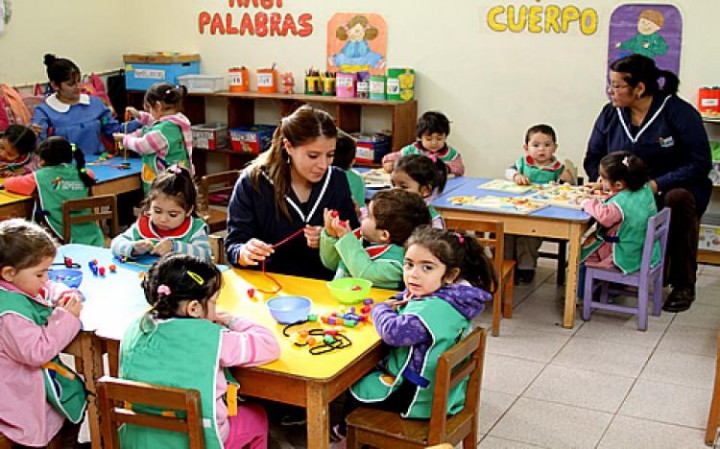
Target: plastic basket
202 83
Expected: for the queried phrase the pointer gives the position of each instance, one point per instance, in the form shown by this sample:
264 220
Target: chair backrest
102 207
217 183
489 233
113 394
657 231
464 359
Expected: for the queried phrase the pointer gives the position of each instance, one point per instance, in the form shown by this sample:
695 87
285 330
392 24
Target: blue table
113 177
452 183
549 222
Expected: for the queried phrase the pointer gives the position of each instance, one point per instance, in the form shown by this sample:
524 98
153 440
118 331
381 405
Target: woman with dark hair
282 195
667 133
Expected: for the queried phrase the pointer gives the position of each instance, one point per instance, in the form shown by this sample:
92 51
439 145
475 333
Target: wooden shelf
709 257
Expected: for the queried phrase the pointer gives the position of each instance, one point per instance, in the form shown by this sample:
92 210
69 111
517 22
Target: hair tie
460 238
167 92
196 277
163 290
72 145
83 170
433 157
626 161
174 168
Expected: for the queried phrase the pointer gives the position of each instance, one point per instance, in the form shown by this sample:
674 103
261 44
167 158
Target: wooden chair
491 234
215 184
114 393
382 429
102 207
714 415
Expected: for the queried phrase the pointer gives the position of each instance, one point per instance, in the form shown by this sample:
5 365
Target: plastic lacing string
341 341
278 286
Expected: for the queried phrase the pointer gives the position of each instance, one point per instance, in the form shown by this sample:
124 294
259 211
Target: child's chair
714 415
491 234
380 428
114 393
602 278
221 183
102 207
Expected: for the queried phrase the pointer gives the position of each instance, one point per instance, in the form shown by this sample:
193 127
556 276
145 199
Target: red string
278 286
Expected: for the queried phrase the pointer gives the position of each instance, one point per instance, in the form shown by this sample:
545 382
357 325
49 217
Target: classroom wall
492 85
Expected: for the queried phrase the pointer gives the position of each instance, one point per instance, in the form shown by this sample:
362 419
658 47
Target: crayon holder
239 79
345 84
267 81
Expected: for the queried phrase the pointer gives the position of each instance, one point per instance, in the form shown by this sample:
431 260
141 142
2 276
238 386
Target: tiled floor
603 384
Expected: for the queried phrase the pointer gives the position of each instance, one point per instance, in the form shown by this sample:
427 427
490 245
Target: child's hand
312 235
72 302
223 318
134 113
163 247
328 215
253 252
118 137
341 227
521 179
388 166
396 303
142 247
37 129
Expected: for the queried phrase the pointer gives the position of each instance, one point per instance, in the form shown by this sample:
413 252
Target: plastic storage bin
203 84
209 136
251 139
142 70
371 147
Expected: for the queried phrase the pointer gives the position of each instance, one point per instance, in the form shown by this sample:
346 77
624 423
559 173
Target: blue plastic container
289 309
144 70
71 278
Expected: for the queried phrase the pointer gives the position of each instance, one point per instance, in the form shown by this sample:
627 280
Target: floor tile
700 315
668 403
690 340
492 406
604 357
680 369
526 343
626 432
622 328
579 388
552 425
543 316
491 442
508 374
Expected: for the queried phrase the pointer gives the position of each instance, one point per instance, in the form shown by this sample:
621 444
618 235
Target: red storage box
251 139
209 136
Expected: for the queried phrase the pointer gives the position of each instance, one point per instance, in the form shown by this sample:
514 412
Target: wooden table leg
318 419
571 282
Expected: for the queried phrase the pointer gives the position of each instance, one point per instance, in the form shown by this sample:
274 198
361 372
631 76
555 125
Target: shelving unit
241 112
712 216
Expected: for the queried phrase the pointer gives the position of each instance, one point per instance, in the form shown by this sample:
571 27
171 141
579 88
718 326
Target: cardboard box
209 136
251 139
144 70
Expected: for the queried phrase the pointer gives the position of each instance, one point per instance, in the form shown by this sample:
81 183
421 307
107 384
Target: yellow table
13 205
299 378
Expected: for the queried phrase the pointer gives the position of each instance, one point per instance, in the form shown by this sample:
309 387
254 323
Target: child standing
169 221
375 250
195 343
56 181
448 279
166 138
32 333
425 176
538 165
432 131
17 151
622 218
345 149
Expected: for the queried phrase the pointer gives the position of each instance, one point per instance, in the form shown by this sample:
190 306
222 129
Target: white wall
491 85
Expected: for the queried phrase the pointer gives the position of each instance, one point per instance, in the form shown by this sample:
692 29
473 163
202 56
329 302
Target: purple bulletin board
651 30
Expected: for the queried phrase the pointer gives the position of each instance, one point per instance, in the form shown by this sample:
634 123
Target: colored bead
112 267
101 270
351 323
328 339
94 261
311 341
368 301
324 319
312 317
332 332
332 320
366 309
303 333
251 293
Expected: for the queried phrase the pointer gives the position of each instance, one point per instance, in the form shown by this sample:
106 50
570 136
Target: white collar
649 122
59 106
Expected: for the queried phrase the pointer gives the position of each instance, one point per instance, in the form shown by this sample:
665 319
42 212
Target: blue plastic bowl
71 278
289 309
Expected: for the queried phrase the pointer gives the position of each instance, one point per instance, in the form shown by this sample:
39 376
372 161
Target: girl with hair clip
38 318
282 196
78 117
166 138
622 218
184 342
424 175
448 279
58 180
17 151
169 221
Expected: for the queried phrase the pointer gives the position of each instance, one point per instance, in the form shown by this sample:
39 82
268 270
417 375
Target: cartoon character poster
651 30
357 42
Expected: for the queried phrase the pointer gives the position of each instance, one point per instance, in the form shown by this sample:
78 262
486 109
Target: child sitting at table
538 165
184 342
56 181
375 250
17 151
448 279
425 176
432 131
345 150
169 220
38 318
622 218
166 138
